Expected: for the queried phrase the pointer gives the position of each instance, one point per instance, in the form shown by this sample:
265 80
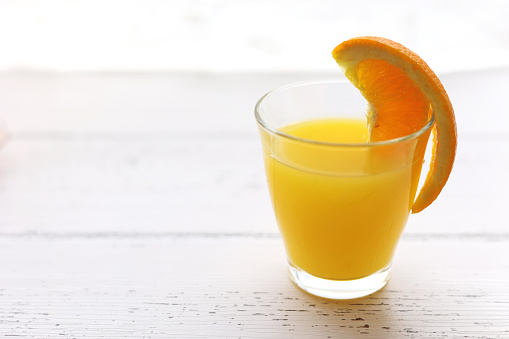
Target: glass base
340 289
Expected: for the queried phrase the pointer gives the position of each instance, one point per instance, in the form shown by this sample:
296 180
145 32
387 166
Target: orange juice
340 210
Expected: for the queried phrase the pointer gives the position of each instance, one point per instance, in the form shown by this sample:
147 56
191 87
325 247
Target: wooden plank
119 186
214 185
236 287
63 103
59 104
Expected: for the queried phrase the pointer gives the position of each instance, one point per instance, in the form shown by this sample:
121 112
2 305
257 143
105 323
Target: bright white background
242 35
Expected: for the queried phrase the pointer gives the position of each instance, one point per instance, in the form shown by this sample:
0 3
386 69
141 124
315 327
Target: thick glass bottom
340 289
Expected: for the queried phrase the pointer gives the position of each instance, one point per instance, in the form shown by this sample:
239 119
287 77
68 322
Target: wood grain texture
236 287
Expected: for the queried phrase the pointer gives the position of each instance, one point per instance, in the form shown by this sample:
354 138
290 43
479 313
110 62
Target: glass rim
273 130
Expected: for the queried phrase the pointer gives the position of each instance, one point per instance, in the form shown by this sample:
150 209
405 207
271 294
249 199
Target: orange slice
400 88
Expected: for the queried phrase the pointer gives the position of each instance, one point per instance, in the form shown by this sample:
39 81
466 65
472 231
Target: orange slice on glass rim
401 89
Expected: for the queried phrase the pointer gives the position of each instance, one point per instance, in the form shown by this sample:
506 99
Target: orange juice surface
340 210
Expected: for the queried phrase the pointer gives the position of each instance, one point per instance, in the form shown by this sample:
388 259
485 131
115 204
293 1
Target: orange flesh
398 106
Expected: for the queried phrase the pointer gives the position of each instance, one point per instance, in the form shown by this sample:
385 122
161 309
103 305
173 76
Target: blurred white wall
242 35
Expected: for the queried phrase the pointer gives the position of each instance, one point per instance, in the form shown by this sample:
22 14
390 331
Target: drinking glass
340 207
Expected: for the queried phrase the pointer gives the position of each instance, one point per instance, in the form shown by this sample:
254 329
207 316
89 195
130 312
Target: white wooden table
135 206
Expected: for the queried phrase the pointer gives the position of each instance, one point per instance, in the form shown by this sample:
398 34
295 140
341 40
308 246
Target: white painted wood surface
135 206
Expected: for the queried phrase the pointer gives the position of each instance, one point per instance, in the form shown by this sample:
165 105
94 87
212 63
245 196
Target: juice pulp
340 213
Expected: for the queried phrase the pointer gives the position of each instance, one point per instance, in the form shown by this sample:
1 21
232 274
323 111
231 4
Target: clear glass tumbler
340 207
